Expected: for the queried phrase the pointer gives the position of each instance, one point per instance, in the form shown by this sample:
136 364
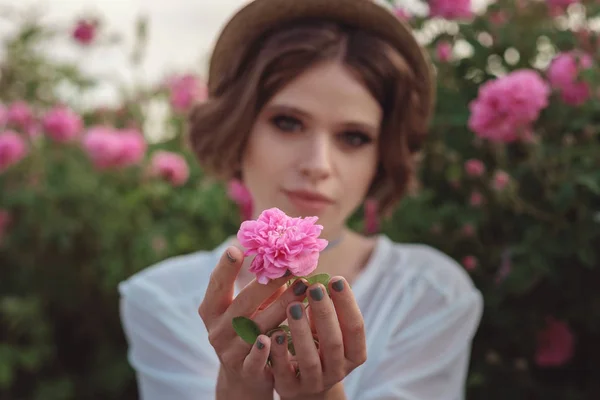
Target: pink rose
558 7
85 31
470 263
5 219
62 124
450 9
498 18
563 75
474 168
500 181
109 148
20 116
507 106
185 90
169 166
468 230
402 14
444 51
476 199
133 147
12 149
242 197
555 344
280 244
371 217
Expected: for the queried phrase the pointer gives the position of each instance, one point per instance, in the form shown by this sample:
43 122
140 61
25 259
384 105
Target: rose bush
510 188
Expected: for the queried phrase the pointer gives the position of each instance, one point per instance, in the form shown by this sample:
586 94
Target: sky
181 33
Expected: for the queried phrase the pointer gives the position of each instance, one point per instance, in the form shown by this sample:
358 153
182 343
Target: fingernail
260 344
280 339
296 311
316 294
300 288
230 257
338 286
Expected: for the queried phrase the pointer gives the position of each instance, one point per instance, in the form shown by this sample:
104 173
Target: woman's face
313 147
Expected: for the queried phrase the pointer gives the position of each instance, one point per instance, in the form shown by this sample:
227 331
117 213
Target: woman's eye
356 139
286 123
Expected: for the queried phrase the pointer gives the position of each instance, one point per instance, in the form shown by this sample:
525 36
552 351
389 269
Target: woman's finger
307 355
256 361
220 290
275 314
350 320
328 331
247 302
283 370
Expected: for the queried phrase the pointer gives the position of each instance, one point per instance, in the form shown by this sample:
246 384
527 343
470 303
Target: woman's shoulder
176 279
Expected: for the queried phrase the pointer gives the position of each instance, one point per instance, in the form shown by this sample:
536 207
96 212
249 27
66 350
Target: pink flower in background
281 243
132 147
468 230
450 9
470 263
12 149
170 166
62 124
476 199
474 168
444 51
108 148
558 7
85 31
501 180
371 217
498 17
4 222
402 14
507 106
238 192
102 146
563 75
555 343
185 90
20 115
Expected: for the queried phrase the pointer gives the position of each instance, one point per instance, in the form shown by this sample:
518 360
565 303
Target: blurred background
97 182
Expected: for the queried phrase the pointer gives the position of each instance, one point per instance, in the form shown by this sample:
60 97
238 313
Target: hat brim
261 16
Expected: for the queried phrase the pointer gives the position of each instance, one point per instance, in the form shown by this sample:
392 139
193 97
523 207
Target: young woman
315 105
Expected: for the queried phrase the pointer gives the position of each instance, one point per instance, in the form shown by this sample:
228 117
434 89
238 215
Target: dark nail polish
260 344
316 294
338 286
280 339
300 288
296 311
230 257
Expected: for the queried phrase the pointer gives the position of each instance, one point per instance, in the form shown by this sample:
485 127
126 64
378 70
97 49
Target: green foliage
75 233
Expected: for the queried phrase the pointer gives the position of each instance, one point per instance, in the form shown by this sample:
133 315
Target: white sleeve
167 345
427 357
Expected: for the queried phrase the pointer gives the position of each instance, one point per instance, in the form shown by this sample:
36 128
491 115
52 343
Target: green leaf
246 329
319 278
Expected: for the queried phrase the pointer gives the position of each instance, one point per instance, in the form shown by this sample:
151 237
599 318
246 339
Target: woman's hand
339 328
243 366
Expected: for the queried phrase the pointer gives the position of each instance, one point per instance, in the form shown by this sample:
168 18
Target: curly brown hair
219 127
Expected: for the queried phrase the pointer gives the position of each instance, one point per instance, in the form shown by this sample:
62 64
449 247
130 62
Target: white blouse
420 309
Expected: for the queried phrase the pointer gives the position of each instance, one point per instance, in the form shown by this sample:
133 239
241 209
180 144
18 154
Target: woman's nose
315 160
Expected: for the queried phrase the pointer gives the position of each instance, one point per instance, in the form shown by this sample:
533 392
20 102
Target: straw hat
260 16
